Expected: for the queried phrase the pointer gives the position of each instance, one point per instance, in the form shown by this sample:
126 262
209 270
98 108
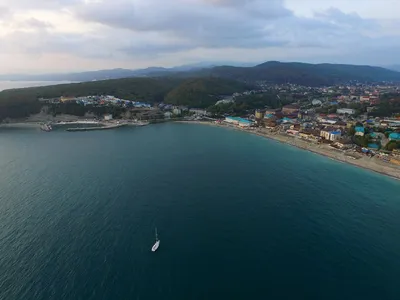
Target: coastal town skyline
65 36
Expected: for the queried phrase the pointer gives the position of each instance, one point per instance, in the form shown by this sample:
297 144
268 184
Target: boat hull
155 246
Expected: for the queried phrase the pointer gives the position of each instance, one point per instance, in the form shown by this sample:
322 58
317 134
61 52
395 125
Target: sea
5 85
238 216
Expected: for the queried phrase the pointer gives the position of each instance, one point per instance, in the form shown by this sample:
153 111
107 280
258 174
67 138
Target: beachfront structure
331 134
343 111
238 121
108 117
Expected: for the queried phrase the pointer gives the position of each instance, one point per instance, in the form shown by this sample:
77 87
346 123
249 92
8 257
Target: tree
392 145
352 131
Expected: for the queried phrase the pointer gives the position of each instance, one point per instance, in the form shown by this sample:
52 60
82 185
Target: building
290 109
224 101
198 111
360 130
259 114
177 111
271 111
108 117
394 136
316 102
331 134
343 111
67 99
335 135
238 121
168 115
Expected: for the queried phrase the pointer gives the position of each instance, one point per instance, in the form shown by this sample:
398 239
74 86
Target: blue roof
394 136
335 132
373 146
360 129
373 134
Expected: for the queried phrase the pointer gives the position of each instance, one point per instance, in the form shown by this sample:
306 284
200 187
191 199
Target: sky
39 36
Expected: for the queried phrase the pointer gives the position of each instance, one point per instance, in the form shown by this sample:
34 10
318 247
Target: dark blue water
239 217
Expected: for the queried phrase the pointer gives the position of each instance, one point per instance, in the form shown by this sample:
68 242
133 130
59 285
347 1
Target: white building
177 111
343 111
167 115
108 117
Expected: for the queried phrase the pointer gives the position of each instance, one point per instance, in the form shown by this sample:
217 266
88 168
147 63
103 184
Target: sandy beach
373 164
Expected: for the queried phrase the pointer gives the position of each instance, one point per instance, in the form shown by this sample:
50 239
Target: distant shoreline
366 163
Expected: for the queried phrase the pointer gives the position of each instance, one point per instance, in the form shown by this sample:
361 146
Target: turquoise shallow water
239 217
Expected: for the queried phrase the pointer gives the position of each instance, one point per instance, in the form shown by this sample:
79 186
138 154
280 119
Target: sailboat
157 243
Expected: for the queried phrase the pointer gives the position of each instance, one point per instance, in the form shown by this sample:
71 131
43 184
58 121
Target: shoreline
370 164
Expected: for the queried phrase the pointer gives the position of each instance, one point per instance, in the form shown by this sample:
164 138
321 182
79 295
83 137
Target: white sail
157 243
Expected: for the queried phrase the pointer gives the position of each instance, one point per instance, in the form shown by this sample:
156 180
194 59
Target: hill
17 103
303 73
203 92
199 92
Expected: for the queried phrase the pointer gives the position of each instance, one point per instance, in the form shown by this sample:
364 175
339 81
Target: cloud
142 30
5 13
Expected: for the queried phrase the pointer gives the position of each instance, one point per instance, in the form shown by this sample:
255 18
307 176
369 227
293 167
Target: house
343 111
364 98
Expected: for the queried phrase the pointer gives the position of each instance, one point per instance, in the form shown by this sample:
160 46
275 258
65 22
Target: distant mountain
393 67
303 73
272 71
117 73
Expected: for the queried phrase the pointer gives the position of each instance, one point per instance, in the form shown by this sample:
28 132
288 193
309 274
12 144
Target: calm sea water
5 85
239 217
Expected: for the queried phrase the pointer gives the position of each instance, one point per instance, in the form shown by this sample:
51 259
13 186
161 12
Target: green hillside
199 92
203 92
17 103
303 73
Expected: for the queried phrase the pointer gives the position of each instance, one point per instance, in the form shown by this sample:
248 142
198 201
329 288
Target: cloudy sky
74 35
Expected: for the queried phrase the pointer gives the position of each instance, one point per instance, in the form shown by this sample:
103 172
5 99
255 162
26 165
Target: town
357 120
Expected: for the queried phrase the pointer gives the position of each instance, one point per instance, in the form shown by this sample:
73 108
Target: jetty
97 128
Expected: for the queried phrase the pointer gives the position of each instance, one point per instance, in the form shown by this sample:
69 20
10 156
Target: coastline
371 164
20 125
